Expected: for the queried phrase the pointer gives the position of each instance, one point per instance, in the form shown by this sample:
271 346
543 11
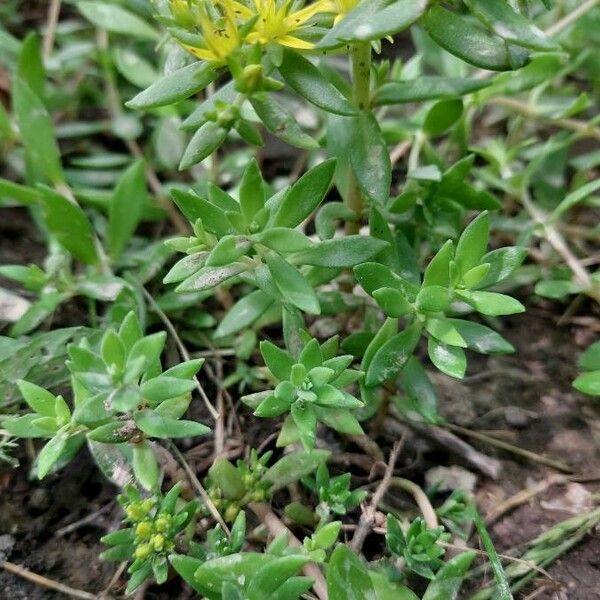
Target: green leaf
448 359
588 383
388 590
392 356
305 418
69 225
280 122
193 207
473 44
243 313
426 87
126 207
37 132
210 576
186 567
433 299
305 195
292 284
558 289
284 240
30 67
210 277
574 198
164 387
149 349
50 454
116 19
145 466
442 116
449 578
226 477
491 303
39 399
374 20
18 193
481 338
308 81
341 252
133 67
590 359
419 387
503 262
340 419
175 86
392 302
24 427
502 591
347 577
112 350
157 426
252 191
278 361
292 467
438 271
273 575
228 249
444 331
369 157
473 243
510 25
203 143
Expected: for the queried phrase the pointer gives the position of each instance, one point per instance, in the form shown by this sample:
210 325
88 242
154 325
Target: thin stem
199 488
420 498
538 458
585 130
181 346
51 22
557 241
45 582
367 518
571 17
361 96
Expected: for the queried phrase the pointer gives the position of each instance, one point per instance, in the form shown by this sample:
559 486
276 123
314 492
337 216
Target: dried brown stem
367 518
491 441
45 581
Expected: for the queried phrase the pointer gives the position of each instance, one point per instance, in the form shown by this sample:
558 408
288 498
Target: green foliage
310 387
338 272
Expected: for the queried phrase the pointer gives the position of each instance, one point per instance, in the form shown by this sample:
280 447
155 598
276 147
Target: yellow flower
340 7
276 23
219 30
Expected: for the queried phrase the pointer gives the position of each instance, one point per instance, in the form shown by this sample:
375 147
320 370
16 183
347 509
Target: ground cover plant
265 240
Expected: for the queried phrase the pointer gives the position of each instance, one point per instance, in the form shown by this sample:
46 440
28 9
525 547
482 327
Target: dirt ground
524 399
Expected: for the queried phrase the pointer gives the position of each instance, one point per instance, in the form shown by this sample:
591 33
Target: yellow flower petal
294 42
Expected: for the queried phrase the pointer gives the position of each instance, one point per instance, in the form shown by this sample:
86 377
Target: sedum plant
331 286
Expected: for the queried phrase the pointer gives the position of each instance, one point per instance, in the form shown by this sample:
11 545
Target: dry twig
367 518
45 581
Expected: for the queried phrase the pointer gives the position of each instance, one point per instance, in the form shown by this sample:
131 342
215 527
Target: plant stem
571 17
361 96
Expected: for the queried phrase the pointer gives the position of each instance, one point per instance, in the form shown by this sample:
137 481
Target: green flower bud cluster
233 487
153 526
